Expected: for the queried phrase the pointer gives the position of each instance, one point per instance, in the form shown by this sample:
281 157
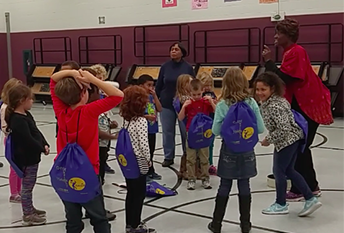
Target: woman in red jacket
305 92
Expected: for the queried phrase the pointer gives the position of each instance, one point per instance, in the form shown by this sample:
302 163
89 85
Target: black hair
182 48
273 81
73 64
144 78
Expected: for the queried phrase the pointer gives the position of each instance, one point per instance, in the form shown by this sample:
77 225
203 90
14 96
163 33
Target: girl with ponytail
14 180
28 144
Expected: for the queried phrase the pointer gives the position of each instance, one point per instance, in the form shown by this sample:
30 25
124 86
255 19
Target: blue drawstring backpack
73 176
239 129
176 105
200 133
125 155
154 189
302 122
10 157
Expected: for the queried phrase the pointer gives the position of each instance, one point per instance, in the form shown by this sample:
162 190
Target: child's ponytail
8 113
16 96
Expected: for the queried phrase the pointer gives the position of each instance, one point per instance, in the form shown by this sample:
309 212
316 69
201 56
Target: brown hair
8 85
290 28
72 64
68 91
183 84
196 85
206 79
94 89
134 103
234 85
16 96
273 81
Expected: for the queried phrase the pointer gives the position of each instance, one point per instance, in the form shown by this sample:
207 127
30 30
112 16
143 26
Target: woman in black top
28 144
166 91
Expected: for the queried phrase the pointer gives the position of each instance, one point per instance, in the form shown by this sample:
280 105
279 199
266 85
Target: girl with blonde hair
14 180
232 165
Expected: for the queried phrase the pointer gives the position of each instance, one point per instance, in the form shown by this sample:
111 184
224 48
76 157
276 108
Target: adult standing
166 91
306 94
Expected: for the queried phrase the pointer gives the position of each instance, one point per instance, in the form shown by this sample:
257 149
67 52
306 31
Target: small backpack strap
127 125
77 128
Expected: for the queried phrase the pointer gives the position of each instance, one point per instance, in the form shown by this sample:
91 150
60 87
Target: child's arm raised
63 74
156 101
109 89
114 95
182 114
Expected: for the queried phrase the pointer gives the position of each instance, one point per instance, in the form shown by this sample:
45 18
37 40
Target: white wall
39 15
3 7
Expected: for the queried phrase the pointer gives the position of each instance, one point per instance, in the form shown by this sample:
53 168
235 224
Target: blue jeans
283 167
226 186
168 119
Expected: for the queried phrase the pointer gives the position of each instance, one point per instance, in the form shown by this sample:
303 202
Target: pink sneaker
212 170
15 199
293 197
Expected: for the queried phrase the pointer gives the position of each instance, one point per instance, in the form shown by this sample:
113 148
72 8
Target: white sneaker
191 185
206 184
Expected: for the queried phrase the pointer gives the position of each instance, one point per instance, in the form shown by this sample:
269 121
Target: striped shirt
138 131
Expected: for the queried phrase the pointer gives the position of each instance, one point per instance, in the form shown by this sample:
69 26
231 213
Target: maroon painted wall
21 41
3 59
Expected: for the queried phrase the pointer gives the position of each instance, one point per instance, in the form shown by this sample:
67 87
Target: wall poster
199 4
169 3
268 1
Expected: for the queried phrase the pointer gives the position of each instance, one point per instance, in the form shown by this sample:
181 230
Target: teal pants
211 149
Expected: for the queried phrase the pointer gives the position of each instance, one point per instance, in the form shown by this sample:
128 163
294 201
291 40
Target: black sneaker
110 216
109 170
167 163
155 176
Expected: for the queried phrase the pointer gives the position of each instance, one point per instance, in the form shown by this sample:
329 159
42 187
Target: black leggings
136 193
151 142
103 157
304 162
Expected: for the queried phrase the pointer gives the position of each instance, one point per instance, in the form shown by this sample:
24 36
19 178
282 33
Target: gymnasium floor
190 211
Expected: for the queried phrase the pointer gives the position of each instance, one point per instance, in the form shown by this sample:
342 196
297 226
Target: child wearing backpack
288 138
132 109
183 94
78 126
237 158
14 180
152 109
67 65
208 90
191 108
27 143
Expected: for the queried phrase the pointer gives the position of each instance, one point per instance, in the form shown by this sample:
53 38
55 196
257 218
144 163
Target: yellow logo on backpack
122 160
208 133
247 133
159 191
77 183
